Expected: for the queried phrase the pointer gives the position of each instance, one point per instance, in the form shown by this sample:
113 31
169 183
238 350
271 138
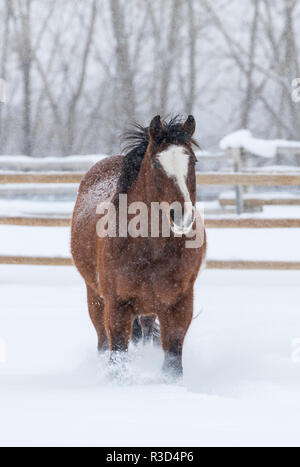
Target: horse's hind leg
148 324
144 328
174 324
96 311
137 331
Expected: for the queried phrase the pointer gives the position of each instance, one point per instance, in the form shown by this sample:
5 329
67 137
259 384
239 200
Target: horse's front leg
174 324
119 318
96 311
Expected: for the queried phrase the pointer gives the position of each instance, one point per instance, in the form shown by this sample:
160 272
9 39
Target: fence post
237 157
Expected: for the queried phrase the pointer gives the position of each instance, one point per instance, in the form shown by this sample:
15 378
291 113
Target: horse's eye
155 164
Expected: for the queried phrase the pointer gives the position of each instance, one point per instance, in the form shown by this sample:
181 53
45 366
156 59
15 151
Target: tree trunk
249 92
191 95
3 133
124 69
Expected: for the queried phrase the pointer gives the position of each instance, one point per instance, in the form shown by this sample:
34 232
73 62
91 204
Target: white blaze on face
175 163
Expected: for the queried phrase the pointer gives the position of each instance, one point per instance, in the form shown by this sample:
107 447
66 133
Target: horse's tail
137 332
156 334
146 329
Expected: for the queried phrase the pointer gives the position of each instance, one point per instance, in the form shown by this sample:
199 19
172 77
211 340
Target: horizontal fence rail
210 223
260 202
55 177
36 221
35 261
211 264
249 179
255 265
210 178
252 223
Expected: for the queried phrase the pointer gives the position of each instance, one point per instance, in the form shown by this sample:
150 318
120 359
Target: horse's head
172 169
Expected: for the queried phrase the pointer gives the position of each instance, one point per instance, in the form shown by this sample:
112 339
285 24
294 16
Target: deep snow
241 386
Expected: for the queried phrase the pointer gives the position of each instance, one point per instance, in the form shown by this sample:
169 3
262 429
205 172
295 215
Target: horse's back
98 185
100 182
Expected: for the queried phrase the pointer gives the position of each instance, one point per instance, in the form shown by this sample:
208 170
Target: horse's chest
148 277
145 266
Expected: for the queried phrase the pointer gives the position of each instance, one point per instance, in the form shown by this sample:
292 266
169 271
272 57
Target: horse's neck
140 189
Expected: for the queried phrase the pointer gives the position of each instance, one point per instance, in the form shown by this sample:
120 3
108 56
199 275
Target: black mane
136 142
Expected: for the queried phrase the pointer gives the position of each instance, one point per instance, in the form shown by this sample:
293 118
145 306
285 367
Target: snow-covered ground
27 208
23 207
241 383
223 244
242 372
48 164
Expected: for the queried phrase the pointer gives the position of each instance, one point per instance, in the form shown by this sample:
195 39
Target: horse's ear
156 127
189 126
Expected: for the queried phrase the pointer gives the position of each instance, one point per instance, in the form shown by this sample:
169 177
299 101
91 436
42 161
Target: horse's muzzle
182 226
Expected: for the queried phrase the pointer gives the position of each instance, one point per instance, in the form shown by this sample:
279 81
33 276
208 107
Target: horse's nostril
172 214
191 220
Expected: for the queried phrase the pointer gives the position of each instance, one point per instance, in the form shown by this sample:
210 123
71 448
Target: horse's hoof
118 367
117 358
173 370
102 349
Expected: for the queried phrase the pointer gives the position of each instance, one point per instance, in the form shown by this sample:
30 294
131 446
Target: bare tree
192 76
249 95
168 60
4 57
79 71
123 61
22 15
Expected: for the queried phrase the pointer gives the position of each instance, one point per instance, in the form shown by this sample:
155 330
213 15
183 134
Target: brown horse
131 280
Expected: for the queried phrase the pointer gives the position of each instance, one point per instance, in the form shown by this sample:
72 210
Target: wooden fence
210 223
236 179
238 160
210 178
257 201
214 264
